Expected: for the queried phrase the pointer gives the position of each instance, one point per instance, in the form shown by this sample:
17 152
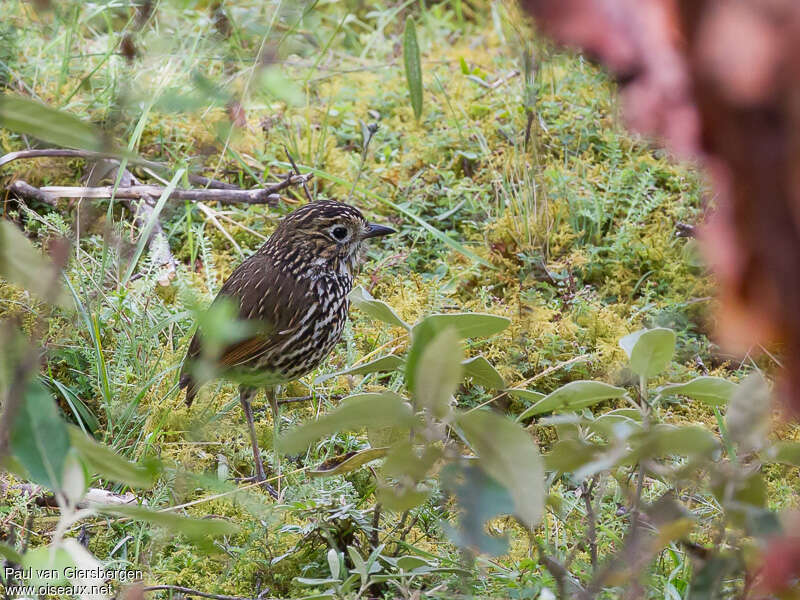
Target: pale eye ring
339 233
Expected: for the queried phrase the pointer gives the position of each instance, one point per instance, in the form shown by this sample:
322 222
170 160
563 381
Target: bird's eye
339 233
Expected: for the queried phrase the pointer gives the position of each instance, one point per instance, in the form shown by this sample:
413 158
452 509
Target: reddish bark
717 80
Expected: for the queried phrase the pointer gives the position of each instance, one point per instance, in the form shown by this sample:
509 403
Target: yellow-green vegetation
559 220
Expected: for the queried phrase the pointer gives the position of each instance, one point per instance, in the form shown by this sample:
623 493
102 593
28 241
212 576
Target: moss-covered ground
524 164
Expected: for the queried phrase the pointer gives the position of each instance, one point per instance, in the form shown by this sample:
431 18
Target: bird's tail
188 382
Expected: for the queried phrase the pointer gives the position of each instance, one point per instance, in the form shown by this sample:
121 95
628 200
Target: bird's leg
276 430
246 395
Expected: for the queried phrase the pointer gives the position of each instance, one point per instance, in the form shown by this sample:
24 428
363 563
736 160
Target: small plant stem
726 438
371 129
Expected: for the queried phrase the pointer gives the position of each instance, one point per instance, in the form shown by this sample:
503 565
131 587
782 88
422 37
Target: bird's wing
269 297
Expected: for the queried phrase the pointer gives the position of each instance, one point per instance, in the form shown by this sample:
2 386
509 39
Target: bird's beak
374 230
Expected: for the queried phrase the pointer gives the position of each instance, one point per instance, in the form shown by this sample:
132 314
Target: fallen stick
267 195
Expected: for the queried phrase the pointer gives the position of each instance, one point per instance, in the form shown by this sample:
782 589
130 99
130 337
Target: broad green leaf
713 391
649 350
376 309
480 498
438 373
108 464
10 554
379 365
401 497
784 452
22 264
668 440
362 410
509 455
43 562
22 115
528 395
344 463
573 396
483 373
409 563
39 438
570 454
333 563
468 325
413 66
193 528
748 414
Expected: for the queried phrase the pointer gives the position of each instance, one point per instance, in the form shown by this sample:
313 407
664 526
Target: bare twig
185 590
591 519
297 172
267 195
158 243
376 523
24 190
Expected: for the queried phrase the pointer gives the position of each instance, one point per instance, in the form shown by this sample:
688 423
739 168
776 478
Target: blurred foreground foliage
495 378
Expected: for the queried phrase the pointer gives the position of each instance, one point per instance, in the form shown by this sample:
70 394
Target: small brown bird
294 291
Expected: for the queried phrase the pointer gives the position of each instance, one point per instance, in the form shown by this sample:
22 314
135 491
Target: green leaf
573 396
413 66
10 554
105 462
438 373
39 438
333 563
748 414
379 365
45 561
509 455
409 563
344 463
668 440
570 454
468 325
195 529
362 410
528 395
649 350
483 373
713 391
784 452
376 309
480 498
22 264
22 115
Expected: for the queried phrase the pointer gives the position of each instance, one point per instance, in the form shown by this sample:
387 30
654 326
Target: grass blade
413 66
48 124
148 228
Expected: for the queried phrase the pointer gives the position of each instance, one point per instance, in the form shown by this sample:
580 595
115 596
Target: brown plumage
294 289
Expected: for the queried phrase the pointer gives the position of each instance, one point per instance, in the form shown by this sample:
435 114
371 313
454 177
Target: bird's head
327 234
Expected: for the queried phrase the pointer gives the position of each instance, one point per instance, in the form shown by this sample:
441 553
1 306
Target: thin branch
591 518
297 172
24 190
185 590
263 196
